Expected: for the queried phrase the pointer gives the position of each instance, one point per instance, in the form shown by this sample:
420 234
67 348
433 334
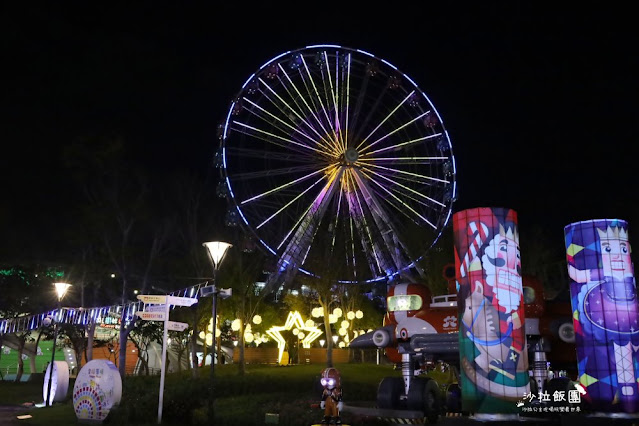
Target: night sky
540 103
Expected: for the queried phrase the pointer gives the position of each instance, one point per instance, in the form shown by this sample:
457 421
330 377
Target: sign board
181 301
155 308
152 298
152 316
176 326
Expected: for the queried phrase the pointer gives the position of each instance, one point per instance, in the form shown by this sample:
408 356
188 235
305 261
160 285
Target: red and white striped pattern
480 234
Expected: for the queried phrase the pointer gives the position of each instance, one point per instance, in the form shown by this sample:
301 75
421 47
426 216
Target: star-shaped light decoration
294 320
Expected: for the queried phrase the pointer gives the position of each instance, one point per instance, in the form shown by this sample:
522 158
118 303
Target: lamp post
61 290
216 251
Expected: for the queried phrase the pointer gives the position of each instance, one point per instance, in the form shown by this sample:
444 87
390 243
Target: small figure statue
331 396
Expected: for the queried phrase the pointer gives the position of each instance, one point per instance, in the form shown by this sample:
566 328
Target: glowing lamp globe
257 319
216 250
359 314
61 289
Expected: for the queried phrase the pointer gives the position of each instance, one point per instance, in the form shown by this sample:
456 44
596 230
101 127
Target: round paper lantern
97 389
235 325
59 382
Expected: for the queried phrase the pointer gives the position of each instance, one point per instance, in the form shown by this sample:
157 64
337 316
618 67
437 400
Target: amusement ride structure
328 149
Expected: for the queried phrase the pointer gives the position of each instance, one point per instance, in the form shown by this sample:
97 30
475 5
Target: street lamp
216 251
61 290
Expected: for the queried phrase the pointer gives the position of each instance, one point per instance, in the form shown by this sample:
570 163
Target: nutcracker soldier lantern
331 396
605 313
492 339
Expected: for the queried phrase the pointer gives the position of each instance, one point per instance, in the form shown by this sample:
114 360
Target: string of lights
84 316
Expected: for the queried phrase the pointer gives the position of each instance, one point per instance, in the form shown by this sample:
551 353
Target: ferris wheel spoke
273 135
335 124
400 207
406 193
366 148
304 230
279 120
326 142
383 188
405 173
301 194
403 160
286 185
395 183
390 114
288 149
383 223
273 172
348 97
290 108
335 223
319 99
271 155
406 144
376 261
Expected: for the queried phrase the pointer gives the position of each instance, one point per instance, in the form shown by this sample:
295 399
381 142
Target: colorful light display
605 312
493 359
97 389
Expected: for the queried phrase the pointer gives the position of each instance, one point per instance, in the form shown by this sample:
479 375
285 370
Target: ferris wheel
331 152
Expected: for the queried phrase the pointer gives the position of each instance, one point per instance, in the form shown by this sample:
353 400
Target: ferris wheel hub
351 155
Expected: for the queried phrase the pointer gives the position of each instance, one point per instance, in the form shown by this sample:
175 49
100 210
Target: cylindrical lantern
605 312
492 338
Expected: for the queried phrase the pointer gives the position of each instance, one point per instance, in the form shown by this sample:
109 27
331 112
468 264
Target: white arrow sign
152 298
152 316
154 308
181 301
176 326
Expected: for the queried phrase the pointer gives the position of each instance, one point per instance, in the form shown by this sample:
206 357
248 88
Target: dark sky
540 102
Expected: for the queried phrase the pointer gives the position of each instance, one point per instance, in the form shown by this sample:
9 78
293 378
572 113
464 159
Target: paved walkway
8 414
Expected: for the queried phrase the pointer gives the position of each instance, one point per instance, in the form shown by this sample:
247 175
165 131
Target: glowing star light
294 320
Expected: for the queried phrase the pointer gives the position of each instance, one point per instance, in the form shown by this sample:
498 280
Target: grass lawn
292 393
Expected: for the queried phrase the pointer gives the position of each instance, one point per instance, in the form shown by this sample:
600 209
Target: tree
197 216
143 335
242 269
24 291
123 201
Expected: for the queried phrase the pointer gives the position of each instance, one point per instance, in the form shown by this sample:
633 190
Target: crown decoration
613 233
512 233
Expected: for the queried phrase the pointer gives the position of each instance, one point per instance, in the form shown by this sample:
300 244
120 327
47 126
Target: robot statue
331 396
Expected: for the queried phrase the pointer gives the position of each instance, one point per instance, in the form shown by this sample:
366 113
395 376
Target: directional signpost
153 315
154 308
152 298
159 311
176 326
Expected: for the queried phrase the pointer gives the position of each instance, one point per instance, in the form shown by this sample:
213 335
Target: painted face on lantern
502 263
615 257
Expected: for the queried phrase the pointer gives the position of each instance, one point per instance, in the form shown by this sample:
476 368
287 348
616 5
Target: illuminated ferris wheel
332 152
